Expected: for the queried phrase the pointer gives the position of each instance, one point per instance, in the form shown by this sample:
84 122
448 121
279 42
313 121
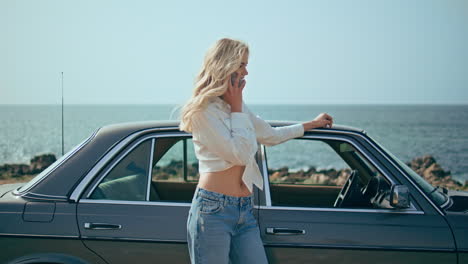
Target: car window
128 179
174 170
312 173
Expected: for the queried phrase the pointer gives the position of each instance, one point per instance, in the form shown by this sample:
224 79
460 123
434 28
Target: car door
135 209
299 222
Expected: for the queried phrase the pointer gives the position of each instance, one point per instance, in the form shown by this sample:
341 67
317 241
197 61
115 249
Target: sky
301 52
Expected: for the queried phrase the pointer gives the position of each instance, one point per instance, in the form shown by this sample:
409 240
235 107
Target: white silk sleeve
270 136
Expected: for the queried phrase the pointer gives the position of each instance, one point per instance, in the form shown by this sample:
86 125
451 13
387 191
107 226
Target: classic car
123 196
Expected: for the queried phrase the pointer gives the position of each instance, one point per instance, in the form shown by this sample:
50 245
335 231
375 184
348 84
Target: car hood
4 188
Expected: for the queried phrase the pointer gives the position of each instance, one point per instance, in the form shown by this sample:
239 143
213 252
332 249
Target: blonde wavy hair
221 60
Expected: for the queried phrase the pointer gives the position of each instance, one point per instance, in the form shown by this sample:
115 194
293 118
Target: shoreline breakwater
425 166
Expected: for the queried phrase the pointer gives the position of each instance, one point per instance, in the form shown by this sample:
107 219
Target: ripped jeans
222 229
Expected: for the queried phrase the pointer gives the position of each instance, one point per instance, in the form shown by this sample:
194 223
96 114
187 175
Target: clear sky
312 52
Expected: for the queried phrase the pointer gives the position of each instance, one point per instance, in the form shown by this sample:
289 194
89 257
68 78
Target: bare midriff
227 182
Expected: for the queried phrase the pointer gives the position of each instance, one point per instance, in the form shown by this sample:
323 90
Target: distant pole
62 120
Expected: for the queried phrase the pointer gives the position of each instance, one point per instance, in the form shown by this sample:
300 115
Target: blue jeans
222 229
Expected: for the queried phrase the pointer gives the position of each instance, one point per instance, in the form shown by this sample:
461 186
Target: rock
324 179
422 162
162 176
275 176
298 176
311 176
311 171
14 170
434 170
321 179
428 168
343 176
39 163
192 170
176 164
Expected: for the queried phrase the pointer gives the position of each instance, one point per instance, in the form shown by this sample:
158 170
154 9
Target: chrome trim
134 239
109 155
331 131
50 169
91 201
364 247
412 209
33 235
37 196
446 204
265 176
349 210
150 170
293 232
102 226
46 195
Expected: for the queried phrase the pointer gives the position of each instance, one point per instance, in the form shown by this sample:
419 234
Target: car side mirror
399 197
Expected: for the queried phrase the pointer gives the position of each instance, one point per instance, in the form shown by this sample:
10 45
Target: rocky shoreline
426 166
13 173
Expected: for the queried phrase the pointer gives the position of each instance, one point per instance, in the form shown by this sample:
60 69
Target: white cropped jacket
223 139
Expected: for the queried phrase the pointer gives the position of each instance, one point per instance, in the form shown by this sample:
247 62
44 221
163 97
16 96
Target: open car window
318 176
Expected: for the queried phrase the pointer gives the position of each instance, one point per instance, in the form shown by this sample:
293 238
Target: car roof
130 127
60 181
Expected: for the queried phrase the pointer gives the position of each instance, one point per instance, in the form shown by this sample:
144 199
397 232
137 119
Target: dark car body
123 195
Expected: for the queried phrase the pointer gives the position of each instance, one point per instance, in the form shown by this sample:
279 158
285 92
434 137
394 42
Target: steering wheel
376 193
348 191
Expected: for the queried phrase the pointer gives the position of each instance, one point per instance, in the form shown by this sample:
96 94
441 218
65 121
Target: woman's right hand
322 120
233 95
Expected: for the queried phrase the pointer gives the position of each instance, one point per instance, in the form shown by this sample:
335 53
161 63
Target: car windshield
436 196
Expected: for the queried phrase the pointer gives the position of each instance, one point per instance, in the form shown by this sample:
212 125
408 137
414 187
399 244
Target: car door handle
101 226
284 231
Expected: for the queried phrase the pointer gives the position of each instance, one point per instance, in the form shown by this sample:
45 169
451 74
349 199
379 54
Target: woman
221 226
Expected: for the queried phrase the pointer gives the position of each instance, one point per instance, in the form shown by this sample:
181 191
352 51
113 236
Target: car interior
364 188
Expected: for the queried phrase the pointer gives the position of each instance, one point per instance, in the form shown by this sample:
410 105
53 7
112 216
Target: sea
408 131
